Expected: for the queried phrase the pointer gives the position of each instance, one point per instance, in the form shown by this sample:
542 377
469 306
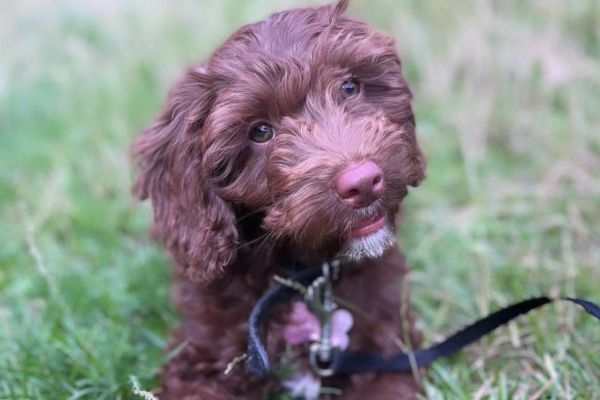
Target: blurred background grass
507 103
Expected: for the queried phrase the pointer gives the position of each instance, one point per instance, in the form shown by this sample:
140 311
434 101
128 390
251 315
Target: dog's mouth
369 237
335 230
368 225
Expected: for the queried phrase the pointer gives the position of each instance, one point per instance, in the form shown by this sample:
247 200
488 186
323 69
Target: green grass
508 114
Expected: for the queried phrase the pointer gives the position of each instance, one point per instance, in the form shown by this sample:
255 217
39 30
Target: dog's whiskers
262 243
248 215
257 239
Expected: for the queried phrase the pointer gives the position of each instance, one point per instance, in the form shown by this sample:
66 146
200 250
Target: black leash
355 362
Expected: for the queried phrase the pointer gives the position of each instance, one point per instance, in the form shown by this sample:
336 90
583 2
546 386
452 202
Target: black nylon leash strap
347 362
353 362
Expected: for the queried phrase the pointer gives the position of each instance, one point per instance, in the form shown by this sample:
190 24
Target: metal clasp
320 300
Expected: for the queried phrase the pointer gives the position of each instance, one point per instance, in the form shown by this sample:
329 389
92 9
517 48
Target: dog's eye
350 88
262 133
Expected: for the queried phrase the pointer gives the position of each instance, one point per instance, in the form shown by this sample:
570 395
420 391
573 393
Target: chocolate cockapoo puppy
292 145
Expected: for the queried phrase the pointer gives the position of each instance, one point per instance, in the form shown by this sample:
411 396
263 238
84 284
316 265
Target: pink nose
359 185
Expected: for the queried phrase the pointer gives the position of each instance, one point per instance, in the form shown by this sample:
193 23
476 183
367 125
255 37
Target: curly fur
228 209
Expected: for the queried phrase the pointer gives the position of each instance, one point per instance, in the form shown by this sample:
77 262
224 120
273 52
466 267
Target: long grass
507 103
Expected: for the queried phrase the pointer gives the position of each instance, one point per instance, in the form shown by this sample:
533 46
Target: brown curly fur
229 210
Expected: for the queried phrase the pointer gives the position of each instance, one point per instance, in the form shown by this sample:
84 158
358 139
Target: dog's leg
180 382
196 372
384 324
386 387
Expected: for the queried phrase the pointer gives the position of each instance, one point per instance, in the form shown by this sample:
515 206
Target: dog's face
304 118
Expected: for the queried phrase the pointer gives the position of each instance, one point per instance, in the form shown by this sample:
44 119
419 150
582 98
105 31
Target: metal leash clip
320 300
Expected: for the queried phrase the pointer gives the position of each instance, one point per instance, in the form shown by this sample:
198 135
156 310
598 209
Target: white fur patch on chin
370 246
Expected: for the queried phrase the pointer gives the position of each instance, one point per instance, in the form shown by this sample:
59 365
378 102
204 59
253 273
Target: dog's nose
359 185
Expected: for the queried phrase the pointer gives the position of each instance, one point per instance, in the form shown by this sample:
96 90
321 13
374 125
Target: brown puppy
294 141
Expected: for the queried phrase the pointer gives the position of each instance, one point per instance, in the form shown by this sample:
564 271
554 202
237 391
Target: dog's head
304 118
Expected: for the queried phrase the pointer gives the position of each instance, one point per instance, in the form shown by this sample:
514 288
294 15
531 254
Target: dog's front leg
386 387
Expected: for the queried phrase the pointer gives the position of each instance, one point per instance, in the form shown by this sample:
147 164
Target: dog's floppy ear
193 222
